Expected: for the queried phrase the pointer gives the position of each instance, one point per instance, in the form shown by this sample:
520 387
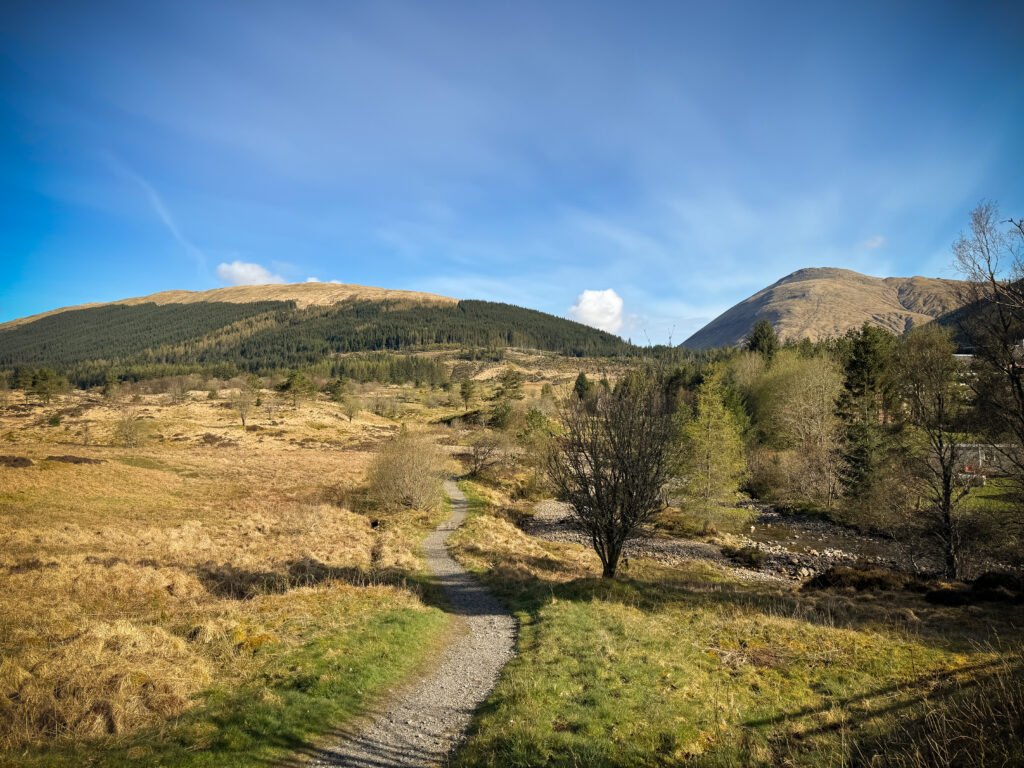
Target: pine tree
713 460
763 340
466 391
864 405
583 386
510 385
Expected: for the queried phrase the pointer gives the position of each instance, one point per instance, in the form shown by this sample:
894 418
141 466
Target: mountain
273 328
822 302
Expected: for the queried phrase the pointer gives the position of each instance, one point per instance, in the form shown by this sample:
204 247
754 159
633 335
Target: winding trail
430 718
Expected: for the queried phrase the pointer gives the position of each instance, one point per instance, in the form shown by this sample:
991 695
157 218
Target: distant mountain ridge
303 294
822 302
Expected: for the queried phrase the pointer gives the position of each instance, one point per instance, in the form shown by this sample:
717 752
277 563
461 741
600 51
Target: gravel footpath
425 725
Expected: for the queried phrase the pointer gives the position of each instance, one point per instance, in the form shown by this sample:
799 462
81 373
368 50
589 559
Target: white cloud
244 273
312 280
874 242
598 309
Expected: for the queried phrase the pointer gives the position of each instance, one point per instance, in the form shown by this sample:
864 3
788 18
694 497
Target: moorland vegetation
199 570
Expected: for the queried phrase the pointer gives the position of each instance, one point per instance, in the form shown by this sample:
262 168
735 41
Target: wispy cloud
873 243
161 210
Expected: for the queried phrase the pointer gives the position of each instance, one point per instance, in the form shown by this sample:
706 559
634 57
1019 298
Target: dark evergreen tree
510 385
763 340
864 407
583 386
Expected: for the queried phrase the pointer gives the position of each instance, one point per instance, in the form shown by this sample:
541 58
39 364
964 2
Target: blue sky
668 158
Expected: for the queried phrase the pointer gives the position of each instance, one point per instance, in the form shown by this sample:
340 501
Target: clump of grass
108 678
969 721
696 524
752 557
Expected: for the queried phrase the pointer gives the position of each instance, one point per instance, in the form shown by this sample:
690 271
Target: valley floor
220 596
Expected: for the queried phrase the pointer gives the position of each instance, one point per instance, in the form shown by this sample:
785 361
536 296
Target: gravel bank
428 721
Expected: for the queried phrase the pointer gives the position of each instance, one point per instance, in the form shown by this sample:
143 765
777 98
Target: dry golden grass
132 585
129 586
303 294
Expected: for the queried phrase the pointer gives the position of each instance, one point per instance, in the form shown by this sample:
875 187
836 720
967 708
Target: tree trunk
947 524
611 561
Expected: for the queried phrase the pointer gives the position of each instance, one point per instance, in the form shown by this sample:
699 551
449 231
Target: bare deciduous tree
795 410
177 390
612 460
351 406
486 449
928 382
129 427
991 259
241 403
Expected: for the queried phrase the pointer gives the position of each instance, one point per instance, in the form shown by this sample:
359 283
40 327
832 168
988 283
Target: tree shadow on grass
458 593
227 580
904 613
967 716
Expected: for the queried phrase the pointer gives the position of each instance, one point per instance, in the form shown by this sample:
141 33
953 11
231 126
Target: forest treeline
224 339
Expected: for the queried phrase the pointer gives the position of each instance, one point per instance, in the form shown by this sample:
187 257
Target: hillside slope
274 328
822 302
303 294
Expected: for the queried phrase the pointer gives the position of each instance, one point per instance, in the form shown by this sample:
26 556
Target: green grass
297 696
683 666
694 524
143 462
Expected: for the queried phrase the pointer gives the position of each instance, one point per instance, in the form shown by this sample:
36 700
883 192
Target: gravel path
428 721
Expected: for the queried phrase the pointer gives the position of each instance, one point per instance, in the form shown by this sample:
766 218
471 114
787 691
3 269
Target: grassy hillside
302 294
151 338
826 302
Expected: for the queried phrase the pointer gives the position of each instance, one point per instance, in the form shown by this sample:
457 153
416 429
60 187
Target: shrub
486 449
860 579
752 557
408 473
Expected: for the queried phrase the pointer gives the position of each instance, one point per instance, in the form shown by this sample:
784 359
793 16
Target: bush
54 420
752 557
409 472
861 579
486 449
502 415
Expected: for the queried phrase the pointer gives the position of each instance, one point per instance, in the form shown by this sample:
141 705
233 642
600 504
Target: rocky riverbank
788 546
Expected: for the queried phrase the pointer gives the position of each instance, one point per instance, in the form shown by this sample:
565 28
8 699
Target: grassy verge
684 666
345 646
